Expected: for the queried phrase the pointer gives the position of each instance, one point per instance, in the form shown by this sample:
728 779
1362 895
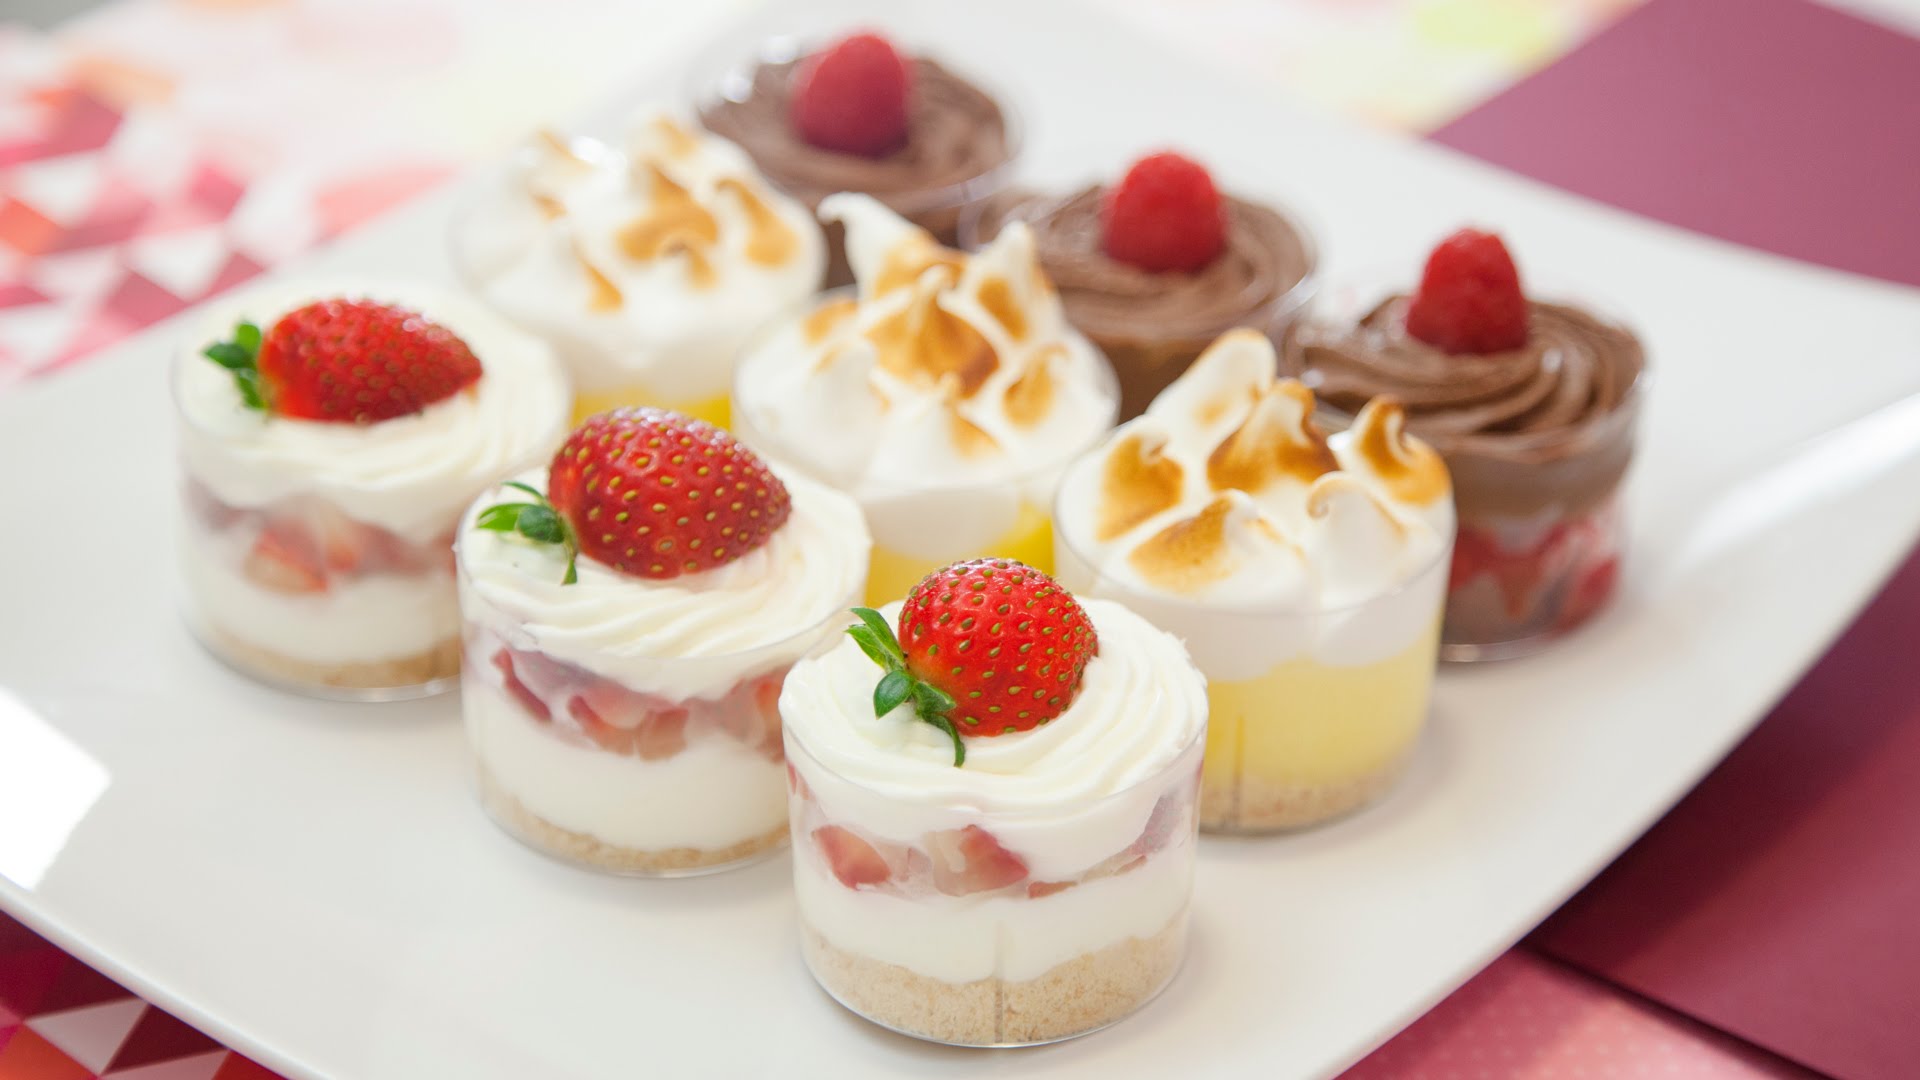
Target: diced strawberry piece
1167 818
283 562
627 723
766 695
1038 889
211 512
663 735
346 546
853 861
530 701
971 860
1589 593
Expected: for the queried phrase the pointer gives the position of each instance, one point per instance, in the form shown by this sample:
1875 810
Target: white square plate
315 884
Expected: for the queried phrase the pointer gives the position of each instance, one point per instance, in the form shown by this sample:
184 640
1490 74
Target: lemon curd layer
716 410
892 573
1307 741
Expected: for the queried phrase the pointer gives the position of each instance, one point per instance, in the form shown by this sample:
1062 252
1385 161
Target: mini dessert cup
317 556
646 265
1153 325
631 613
647 782
1304 573
1537 486
1009 901
944 393
1312 714
963 144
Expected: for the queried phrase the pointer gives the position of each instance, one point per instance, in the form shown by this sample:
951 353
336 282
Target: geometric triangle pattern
61 1020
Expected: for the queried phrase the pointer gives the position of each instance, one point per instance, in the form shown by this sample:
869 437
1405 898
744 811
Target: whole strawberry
347 361
986 647
854 97
1470 300
652 494
1165 215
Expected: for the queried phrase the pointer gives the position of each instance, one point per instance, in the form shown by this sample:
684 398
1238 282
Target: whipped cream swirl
1061 794
649 266
944 370
410 475
693 636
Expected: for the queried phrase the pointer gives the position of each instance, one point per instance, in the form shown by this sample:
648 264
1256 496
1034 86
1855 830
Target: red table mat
1778 900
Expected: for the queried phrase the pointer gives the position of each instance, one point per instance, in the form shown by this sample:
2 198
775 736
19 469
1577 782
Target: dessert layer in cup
960 148
1051 872
1305 575
944 394
631 724
647 267
317 554
1537 439
1153 324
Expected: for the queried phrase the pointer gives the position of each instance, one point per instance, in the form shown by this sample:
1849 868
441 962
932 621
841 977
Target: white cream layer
960 940
675 338
715 793
1064 796
695 636
411 475
358 621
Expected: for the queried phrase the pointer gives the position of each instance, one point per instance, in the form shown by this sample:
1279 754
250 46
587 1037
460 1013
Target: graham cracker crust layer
1081 995
441 662
1249 804
544 835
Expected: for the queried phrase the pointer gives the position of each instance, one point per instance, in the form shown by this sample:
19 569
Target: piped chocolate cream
1153 324
956 133
1547 425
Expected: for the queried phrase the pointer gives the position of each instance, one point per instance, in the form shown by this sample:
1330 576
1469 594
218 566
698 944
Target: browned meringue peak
1347 495
969 438
1221 384
1204 549
1029 397
770 241
908 259
1277 442
673 217
602 293
675 140
1410 470
1138 481
924 344
823 320
561 150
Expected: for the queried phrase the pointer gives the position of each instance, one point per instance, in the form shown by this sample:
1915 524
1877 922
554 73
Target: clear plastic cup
919 530
1312 714
1145 358
1541 531
727 79
286 578
952 938
627 779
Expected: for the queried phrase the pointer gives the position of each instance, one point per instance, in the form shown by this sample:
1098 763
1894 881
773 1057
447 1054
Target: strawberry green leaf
229 355
240 356
894 690
573 572
863 637
540 523
247 336
882 633
528 488
252 393
502 518
931 701
959 746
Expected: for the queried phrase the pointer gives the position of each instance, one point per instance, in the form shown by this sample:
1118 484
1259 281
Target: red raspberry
1470 300
853 97
1165 214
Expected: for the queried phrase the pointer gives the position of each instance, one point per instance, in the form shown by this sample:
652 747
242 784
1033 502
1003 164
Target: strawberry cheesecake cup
646 267
945 394
1304 573
993 809
330 435
1534 405
630 614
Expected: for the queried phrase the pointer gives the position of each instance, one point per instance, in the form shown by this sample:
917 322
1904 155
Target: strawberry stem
240 355
538 521
899 686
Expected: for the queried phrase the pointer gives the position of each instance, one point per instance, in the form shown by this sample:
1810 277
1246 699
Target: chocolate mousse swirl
1550 424
955 133
1265 259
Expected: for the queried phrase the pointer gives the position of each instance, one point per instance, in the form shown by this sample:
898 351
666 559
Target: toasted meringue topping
1227 490
602 294
979 372
675 139
770 242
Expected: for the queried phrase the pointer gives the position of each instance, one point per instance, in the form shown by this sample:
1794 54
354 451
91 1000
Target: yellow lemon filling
1307 741
716 410
891 573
